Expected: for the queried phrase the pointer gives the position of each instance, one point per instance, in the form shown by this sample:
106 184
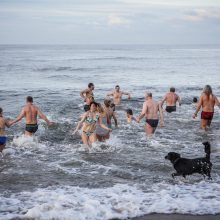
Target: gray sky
109 21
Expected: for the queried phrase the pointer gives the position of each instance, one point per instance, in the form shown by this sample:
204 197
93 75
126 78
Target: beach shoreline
177 217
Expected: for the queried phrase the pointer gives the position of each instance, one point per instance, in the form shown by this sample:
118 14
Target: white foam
25 141
119 201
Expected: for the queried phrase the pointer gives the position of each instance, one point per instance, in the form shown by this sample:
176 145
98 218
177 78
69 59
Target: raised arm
144 110
127 93
199 105
22 114
42 116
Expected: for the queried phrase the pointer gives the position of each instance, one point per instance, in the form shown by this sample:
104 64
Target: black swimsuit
32 128
171 109
152 122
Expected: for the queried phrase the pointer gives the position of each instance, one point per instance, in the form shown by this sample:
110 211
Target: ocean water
51 176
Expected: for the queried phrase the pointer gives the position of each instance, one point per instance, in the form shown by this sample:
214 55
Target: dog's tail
207 150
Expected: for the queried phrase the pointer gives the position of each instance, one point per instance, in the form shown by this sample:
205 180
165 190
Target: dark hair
29 99
1 110
129 111
172 89
94 103
107 102
195 99
207 90
90 85
149 94
117 86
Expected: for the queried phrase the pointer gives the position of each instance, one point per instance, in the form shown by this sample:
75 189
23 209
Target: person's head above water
129 111
149 95
29 99
93 106
195 100
1 111
91 86
172 89
207 90
117 87
107 102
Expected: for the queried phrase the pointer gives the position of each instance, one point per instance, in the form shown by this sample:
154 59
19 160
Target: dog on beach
184 166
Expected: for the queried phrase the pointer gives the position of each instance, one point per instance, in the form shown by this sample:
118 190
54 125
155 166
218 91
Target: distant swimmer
171 98
207 101
31 112
130 116
3 123
88 123
150 110
117 95
88 96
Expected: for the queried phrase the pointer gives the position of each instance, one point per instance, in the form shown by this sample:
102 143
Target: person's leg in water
209 123
2 146
204 124
93 138
85 139
149 130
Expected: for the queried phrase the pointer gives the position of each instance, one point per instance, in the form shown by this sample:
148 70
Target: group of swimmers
96 122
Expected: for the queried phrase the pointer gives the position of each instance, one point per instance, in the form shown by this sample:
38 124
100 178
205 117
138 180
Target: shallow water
52 177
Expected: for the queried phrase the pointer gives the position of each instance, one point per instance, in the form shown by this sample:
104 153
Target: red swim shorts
207 115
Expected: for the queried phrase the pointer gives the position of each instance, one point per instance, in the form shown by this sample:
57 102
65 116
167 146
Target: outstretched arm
161 115
127 93
22 114
42 116
83 117
144 110
199 105
163 100
217 102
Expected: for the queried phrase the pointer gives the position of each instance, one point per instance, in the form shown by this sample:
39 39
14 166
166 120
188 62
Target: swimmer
88 96
3 123
207 102
171 98
130 116
150 110
117 95
30 112
88 124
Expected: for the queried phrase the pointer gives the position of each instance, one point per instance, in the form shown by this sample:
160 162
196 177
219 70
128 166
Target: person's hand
110 130
194 115
10 123
138 120
50 123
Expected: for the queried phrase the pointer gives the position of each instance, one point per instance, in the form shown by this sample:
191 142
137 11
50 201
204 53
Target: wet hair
149 94
94 103
117 86
90 85
29 99
107 102
129 111
1 110
195 100
207 90
172 89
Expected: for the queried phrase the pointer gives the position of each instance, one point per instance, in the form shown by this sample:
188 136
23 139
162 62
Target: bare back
2 126
207 102
171 99
30 113
152 108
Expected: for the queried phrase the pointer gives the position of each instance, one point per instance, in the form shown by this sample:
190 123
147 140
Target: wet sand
177 217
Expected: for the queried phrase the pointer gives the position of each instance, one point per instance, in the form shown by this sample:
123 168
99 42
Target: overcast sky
109 21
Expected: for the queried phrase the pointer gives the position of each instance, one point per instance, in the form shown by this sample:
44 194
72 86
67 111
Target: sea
52 176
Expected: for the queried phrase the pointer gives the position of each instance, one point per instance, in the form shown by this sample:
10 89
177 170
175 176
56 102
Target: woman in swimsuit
88 123
3 122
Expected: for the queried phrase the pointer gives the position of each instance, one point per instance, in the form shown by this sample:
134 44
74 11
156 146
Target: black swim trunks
32 128
152 122
86 108
171 109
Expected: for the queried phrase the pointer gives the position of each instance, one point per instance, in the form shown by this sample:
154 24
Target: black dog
185 166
